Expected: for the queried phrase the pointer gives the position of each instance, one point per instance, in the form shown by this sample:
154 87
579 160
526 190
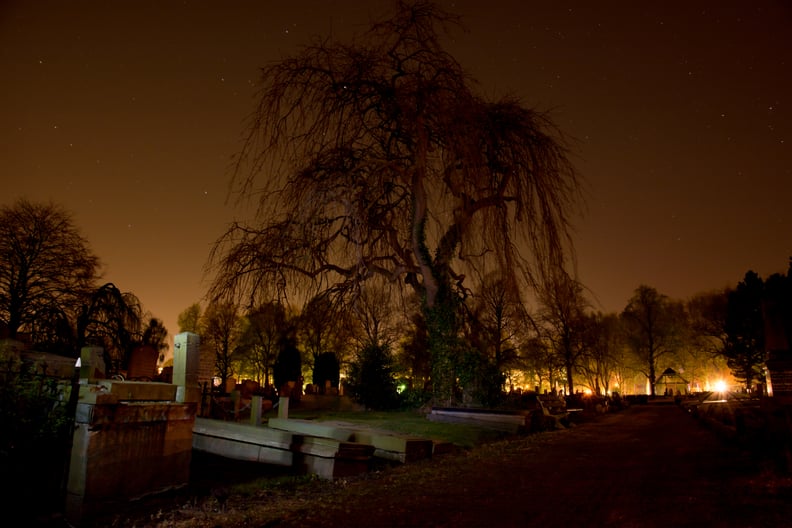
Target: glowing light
720 386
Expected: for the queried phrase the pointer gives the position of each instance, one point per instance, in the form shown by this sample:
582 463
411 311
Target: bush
34 436
481 379
288 366
326 368
371 380
414 398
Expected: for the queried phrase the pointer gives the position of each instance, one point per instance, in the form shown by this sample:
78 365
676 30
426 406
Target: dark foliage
744 329
288 366
46 268
34 437
482 380
326 368
380 158
371 380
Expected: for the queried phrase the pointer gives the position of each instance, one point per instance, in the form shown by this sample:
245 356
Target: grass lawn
408 422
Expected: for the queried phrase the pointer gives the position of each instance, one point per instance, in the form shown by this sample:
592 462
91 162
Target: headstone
283 407
143 363
255 410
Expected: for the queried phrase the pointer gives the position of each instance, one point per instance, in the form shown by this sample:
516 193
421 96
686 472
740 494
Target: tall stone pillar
185 367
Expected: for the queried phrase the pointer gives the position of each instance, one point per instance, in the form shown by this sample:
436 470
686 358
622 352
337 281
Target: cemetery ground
649 465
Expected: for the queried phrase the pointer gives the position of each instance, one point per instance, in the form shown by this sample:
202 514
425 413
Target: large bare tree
497 315
563 320
654 326
221 327
46 265
264 332
380 158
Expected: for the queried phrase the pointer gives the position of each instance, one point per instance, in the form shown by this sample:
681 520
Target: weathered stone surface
779 366
243 442
133 391
329 458
398 448
510 423
126 450
186 363
312 428
387 444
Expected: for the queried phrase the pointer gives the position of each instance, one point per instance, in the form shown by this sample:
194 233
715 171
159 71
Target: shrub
371 380
288 366
34 436
326 368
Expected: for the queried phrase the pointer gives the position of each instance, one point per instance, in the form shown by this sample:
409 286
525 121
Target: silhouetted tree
190 319
374 313
265 330
702 355
324 327
220 331
46 266
53 330
326 368
563 321
288 366
777 310
496 316
744 348
653 324
708 313
379 158
600 363
111 319
155 335
540 360
371 378
414 360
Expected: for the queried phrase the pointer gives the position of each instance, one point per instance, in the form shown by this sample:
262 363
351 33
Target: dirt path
648 466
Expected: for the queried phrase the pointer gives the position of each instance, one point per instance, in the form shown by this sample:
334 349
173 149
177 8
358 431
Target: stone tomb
130 438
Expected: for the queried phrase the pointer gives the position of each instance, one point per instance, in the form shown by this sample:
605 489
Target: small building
670 383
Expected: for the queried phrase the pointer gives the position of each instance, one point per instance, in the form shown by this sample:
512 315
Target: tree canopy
379 157
653 329
46 266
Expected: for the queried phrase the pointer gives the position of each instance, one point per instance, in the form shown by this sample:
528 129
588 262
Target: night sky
128 114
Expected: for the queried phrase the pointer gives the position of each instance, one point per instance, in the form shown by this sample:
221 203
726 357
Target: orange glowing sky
128 114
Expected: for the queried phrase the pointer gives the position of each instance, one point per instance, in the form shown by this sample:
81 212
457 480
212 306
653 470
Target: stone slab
240 432
312 428
243 442
510 423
